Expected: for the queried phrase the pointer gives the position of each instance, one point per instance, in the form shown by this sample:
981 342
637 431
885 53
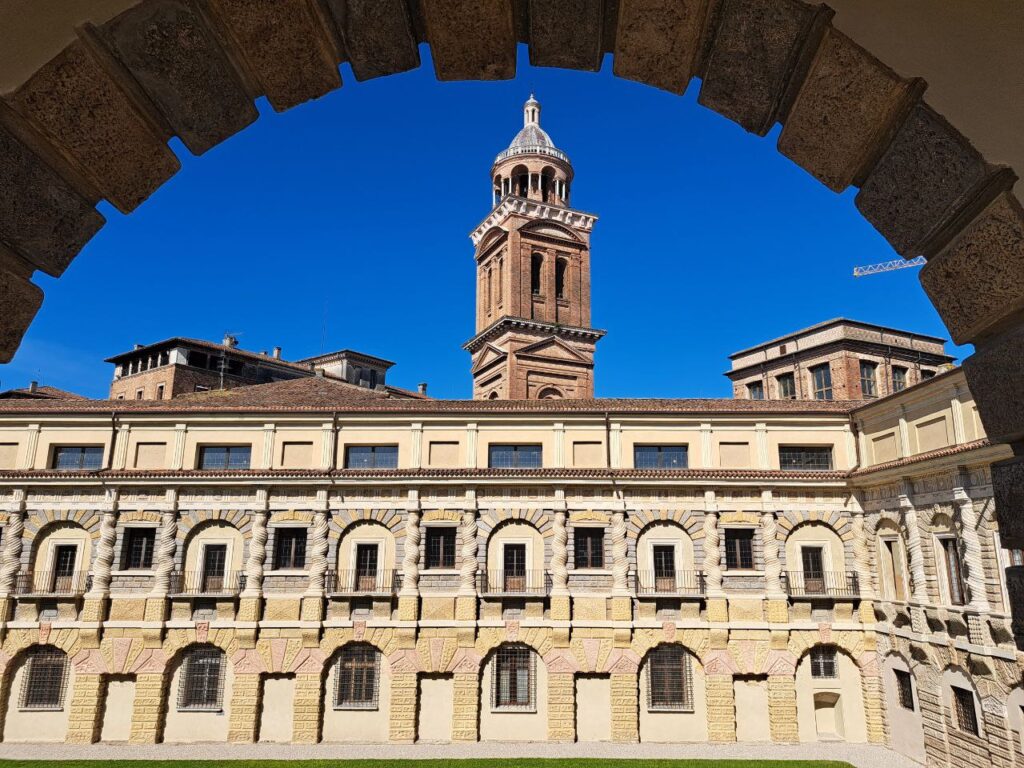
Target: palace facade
313 559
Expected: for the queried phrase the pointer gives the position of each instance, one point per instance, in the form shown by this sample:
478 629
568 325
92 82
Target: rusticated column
721 708
712 554
918 589
85 711
307 714
408 599
970 548
148 707
403 708
560 602
772 562
782 719
312 603
465 601
466 712
625 707
257 555
104 560
244 716
561 707
620 563
167 547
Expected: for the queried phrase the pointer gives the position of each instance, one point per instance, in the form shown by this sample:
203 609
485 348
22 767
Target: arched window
523 184
493 396
536 265
823 662
357 678
669 679
514 684
550 393
46 679
202 680
560 267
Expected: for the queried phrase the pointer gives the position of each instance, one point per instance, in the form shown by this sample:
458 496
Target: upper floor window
514 456
560 267
821 378
904 689
371 457
868 385
805 457
225 456
515 678
46 679
441 547
823 662
787 386
72 457
290 548
954 570
138 548
357 678
755 390
588 547
899 378
966 714
739 549
669 679
659 456
202 679
536 266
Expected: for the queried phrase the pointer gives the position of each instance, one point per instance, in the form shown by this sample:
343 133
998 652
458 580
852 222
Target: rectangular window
805 457
755 390
202 680
659 456
588 546
787 386
954 571
868 387
69 458
821 379
138 549
739 549
441 547
514 456
823 662
669 680
904 689
225 456
139 393
358 671
966 715
899 378
45 679
289 548
371 457
159 391
515 675
926 374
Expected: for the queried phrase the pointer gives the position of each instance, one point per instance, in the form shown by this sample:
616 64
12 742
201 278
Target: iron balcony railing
821 584
356 582
672 584
208 584
514 583
52 583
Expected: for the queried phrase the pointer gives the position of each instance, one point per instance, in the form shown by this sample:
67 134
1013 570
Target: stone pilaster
148 708
403 707
244 716
625 707
466 706
561 707
721 700
782 719
86 710
874 705
862 561
307 714
918 587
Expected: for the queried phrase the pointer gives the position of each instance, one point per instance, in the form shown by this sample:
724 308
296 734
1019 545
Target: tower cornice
509 323
534 210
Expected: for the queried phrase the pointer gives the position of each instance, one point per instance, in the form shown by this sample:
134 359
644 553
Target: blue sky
344 223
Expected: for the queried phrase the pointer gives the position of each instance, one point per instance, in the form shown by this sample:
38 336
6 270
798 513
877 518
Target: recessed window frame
235 457
739 548
588 547
786 383
290 548
440 544
868 378
821 381
514 679
669 679
900 378
384 456
824 661
357 678
45 682
661 456
905 689
138 548
201 684
515 456
755 390
806 458
77 458
965 709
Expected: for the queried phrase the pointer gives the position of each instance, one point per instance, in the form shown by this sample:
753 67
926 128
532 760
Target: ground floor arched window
515 678
45 680
669 679
357 678
202 682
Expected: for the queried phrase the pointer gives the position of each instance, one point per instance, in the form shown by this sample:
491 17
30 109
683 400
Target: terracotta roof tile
938 453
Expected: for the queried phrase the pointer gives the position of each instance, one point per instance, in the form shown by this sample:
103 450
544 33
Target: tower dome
532 139
532 166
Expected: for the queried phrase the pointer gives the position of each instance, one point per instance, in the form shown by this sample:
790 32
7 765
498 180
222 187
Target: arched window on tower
523 183
536 265
560 268
501 280
546 184
488 289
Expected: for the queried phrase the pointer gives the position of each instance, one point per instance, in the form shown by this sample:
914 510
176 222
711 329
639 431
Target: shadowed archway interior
93 123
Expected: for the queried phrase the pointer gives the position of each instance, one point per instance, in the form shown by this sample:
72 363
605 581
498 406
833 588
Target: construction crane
889 266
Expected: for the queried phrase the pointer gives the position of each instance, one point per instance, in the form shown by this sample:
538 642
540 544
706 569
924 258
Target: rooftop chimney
230 341
277 353
422 387
33 386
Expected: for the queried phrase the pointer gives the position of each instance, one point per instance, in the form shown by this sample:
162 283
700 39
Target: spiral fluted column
970 551
318 553
257 555
11 563
772 561
166 549
712 554
467 573
620 562
559 555
862 557
411 560
104 553
918 588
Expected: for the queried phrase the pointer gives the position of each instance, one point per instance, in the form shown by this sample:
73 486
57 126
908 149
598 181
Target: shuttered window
45 680
202 680
669 679
358 676
515 678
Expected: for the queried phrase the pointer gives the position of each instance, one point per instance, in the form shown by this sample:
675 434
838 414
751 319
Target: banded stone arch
342 521
836 522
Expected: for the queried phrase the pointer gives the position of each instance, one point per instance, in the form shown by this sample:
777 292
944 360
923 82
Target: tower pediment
553 348
550 229
490 355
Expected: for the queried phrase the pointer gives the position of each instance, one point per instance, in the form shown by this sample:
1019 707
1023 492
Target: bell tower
533 336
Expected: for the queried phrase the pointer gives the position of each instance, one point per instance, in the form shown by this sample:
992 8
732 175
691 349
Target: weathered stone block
658 42
471 39
846 108
1008 490
995 374
91 121
182 69
378 36
438 608
286 45
746 609
988 256
926 174
566 34
755 49
21 301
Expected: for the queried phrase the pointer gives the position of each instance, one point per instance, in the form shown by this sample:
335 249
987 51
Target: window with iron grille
137 550
823 662
289 548
868 385
514 679
899 378
816 458
46 678
904 689
660 456
225 456
755 390
739 549
966 715
821 378
669 679
514 456
588 547
202 680
787 386
441 547
68 458
357 676
371 457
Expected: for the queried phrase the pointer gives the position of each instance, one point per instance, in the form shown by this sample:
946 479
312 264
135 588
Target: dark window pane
799 457
78 457
441 547
138 548
371 457
514 679
660 456
821 376
787 386
202 681
905 689
45 679
588 547
669 679
358 674
823 662
755 390
290 548
966 715
899 378
868 388
739 549
225 456
514 456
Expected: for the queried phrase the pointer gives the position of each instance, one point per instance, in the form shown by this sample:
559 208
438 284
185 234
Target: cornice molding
534 210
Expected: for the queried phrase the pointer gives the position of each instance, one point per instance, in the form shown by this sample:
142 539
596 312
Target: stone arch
354 723
688 724
184 726
957 676
39 558
368 531
832 707
32 725
691 522
222 528
669 532
1015 717
839 548
550 393
514 530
